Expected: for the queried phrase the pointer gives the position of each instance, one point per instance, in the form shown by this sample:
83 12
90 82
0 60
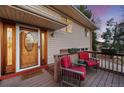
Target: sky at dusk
106 12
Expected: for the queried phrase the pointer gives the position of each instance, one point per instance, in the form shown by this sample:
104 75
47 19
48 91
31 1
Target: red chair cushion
83 55
66 62
91 63
81 69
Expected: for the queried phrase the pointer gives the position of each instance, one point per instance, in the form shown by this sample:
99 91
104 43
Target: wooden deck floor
103 79
45 79
40 79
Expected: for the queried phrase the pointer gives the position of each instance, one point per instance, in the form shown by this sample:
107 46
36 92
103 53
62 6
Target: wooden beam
1 32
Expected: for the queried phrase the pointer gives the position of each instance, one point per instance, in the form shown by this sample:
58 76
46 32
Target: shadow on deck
43 78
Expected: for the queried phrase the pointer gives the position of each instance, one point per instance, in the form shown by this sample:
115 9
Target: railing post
56 68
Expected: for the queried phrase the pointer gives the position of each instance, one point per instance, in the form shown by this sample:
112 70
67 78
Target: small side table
81 63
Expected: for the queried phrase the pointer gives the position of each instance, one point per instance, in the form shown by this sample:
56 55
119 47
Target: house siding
64 40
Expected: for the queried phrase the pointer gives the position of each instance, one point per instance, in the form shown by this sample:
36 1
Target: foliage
85 11
114 36
119 43
108 36
94 41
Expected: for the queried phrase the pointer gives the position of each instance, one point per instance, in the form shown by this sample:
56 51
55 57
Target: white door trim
18 69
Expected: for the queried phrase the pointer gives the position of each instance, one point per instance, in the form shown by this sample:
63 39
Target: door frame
4 50
18 26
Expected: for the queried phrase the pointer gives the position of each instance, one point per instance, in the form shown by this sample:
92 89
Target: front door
9 48
28 47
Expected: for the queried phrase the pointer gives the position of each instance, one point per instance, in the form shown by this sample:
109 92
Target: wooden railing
70 77
113 62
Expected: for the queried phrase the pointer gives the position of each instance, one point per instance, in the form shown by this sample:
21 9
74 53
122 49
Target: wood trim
4 47
2 51
28 28
45 47
1 44
14 47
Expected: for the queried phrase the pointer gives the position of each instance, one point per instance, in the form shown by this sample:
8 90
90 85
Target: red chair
90 62
70 72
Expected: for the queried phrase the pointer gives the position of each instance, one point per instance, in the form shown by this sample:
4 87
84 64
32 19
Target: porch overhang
20 15
75 14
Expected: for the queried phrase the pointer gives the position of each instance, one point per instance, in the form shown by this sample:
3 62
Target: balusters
117 64
109 58
122 62
105 61
79 77
102 60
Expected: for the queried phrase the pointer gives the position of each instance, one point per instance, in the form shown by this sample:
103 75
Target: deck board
109 80
45 79
103 79
115 82
97 80
92 77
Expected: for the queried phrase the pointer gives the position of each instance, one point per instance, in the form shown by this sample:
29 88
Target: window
9 46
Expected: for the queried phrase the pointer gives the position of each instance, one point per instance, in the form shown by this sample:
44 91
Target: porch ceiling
23 16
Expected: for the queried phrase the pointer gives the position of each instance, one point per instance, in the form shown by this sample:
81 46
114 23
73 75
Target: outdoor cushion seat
81 69
90 62
66 63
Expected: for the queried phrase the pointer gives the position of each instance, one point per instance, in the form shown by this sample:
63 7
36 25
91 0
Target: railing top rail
95 52
60 55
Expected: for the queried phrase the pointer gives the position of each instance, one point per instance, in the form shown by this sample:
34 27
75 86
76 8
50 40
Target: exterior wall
61 39
64 40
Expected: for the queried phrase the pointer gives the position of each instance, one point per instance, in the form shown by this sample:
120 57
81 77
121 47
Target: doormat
31 74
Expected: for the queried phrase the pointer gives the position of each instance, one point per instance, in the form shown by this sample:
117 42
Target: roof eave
94 26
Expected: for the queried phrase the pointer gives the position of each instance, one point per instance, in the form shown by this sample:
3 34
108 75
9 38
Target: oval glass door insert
29 42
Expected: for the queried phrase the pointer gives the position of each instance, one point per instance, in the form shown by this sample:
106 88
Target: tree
85 11
110 35
114 35
119 42
94 41
88 13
